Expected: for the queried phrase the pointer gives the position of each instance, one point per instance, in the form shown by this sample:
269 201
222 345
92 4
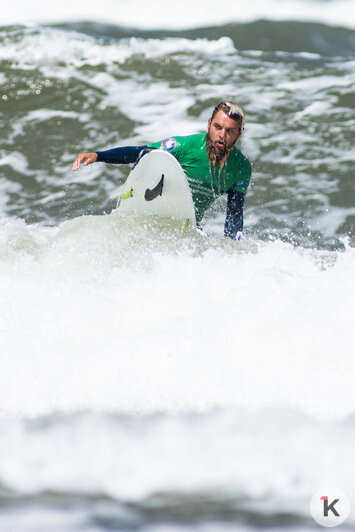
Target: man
212 164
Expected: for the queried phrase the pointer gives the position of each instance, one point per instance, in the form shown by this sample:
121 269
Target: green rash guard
206 181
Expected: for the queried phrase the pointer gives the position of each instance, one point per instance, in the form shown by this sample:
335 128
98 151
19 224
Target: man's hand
84 158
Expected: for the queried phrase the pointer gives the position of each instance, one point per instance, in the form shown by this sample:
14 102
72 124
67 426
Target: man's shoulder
180 142
238 156
199 139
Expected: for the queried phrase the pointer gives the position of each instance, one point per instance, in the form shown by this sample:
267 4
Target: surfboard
157 186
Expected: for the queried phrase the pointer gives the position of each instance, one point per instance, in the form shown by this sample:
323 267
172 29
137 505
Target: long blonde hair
232 110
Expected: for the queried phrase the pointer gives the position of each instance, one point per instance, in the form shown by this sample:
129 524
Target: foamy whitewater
153 378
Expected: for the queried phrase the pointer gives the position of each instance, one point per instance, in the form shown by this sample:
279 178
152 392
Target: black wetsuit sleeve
234 218
124 155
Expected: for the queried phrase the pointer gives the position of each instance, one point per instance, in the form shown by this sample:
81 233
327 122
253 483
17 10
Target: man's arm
124 155
234 218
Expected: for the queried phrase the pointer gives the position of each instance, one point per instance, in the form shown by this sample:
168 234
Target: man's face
223 131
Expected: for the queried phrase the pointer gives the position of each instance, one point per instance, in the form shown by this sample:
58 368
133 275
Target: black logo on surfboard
153 193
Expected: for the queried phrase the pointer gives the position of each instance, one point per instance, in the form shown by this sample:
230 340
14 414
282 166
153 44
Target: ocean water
154 379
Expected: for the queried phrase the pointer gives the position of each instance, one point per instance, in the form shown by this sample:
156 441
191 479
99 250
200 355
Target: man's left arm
234 219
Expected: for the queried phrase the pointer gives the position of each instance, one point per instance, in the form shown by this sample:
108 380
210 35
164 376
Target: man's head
224 128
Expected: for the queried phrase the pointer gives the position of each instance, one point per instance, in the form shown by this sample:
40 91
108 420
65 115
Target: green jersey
206 181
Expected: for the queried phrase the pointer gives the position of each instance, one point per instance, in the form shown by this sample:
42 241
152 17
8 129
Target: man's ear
209 123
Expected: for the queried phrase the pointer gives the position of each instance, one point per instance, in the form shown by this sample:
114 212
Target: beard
215 155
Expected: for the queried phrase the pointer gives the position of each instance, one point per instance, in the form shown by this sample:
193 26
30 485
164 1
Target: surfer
212 163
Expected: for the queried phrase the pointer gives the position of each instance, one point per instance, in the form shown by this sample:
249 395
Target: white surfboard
157 186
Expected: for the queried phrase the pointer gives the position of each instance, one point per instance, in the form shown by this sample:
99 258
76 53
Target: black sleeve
124 155
234 218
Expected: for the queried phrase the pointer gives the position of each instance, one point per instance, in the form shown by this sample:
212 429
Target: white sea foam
17 161
112 319
163 14
50 48
314 84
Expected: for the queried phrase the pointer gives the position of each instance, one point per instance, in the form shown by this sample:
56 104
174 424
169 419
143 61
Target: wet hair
232 110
